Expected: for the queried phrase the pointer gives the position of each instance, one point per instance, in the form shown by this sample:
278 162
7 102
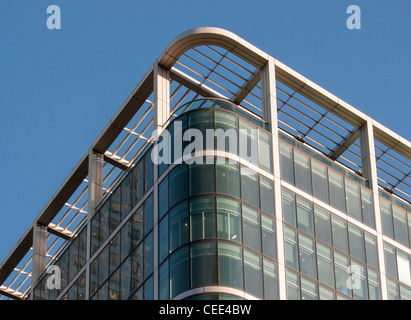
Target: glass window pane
305 215
163 239
392 290
95 233
322 224
230 265
268 235
125 281
405 293
203 264
404 267
320 181
148 214
149 289
114 286
291 251
302 171
339 233
390 260
202 177
253 276
287 164
178 222
163 197
126 234
325 265
400 225
387 224
289 207
201 120
115 252
374 285
249 186
226 122
341 274
308 264
367 207
228 219
148 255
371 250
352 193
326 294
356 240
227 177
103 265
104 222
251 228
137 221
248 142
115 210
309 289
137 267
164 282
336 184
177 184
148 171
202 218
270 280
266 195
293 285
126 195
359 281
264 150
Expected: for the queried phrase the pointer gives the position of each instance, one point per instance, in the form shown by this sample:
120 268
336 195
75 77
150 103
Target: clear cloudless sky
59 88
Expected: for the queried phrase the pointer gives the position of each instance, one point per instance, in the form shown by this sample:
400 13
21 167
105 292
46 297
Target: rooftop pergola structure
211 62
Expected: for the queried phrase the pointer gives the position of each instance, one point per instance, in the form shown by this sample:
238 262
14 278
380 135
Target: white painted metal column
95 195
369 167
161 114
269 100
39 255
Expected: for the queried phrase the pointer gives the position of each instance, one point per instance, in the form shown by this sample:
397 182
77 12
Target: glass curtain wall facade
216 227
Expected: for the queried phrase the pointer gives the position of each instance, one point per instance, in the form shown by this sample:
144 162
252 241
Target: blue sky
59 88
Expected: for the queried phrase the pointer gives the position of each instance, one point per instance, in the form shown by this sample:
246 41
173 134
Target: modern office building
294 194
